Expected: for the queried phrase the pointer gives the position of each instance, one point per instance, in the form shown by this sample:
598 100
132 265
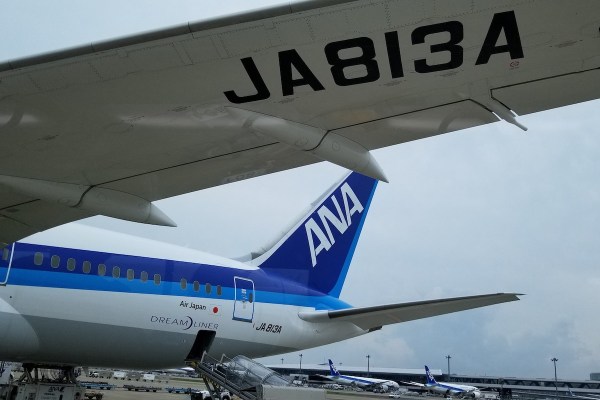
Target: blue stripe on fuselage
452 388
267 289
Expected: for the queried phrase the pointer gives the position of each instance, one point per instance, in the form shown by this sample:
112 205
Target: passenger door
243 306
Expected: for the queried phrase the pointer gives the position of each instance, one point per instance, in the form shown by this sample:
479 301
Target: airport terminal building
506 386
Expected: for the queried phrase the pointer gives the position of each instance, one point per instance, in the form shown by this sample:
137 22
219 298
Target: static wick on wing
97 200
326 145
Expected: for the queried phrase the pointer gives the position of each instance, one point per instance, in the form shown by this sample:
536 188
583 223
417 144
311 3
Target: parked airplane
578 396
108 128
179 371
445 388
105 304
359 381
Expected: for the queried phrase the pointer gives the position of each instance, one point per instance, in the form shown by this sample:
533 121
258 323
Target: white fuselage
454 389
360 381
111 317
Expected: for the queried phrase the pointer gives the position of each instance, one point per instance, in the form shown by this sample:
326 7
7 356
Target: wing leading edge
372 318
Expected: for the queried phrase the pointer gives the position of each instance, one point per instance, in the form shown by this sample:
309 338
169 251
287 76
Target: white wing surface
109 127
372 318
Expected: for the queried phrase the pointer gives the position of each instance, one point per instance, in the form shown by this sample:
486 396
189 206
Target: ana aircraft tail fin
430 379
316 252
332 369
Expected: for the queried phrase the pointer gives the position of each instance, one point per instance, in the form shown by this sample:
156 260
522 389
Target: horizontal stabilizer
375 317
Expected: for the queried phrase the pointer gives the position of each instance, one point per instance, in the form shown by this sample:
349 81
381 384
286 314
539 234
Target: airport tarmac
119 393
123 394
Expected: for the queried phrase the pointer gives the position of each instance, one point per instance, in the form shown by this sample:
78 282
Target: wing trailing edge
371 318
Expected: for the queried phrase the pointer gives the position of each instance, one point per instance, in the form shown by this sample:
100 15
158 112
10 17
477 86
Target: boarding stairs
240 375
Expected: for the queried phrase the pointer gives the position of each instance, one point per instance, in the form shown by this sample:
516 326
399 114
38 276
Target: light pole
448 358
300 362
554 360
368 365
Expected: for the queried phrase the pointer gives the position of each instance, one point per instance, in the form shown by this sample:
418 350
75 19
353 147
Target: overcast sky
482 210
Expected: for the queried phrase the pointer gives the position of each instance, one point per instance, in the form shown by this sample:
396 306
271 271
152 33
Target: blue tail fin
316 253
332 369
430 378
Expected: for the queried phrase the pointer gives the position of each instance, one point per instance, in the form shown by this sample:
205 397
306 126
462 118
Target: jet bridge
249 380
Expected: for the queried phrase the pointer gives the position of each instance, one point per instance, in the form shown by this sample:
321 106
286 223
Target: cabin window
71 264
5 254
207 288
219 290
183 283
130 274
87 267
55 261
144 276
101 269
196 286
116 272
38 258
157 279
251 297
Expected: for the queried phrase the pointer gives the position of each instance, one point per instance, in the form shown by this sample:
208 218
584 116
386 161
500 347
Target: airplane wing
416 384
372 318
109 127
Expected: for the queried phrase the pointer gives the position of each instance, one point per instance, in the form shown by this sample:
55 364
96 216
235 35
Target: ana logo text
334 369
321 235
430 376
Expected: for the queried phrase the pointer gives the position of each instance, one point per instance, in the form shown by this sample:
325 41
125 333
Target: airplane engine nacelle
476 395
